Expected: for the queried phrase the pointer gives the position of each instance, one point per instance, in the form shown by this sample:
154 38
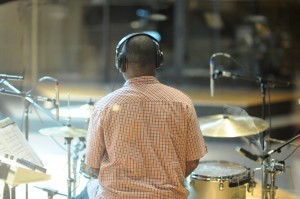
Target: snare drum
218 179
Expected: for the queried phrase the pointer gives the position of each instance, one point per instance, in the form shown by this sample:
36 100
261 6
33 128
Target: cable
291 153
40 80
114 83
243 66
237 62
269 110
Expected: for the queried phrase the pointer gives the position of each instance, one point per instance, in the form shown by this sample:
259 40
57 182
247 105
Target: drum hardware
79 112
270 169
77 148
70 180
68 132
51 192
275 167
252 183
221 185
64 131
265 86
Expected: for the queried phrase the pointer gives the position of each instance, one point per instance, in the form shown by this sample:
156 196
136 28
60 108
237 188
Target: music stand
14 148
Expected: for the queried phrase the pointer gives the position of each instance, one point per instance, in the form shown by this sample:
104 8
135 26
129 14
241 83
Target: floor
53 151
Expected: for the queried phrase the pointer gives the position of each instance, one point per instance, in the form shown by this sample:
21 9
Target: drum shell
206 186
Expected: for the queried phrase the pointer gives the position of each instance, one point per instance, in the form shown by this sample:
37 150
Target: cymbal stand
51 192
70 180
79 146
275 167
74 158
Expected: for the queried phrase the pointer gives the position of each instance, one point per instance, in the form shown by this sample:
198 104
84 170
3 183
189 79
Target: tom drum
218 179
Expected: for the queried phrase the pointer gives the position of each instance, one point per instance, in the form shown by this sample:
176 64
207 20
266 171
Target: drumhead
219 170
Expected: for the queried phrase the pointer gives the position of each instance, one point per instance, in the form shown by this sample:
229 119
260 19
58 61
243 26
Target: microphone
11 77
212 70
248 154
44 99
57 100
220 73
212 81
56 93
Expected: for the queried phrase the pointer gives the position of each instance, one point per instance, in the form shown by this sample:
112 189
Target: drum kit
221 179
224 179
227 180
211 179
69 132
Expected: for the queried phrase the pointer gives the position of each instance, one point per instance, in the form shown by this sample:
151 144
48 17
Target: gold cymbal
81 112
231 126
65 131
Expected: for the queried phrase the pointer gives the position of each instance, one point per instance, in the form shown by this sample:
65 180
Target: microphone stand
264 84
275 167
278 149
28 101
51 192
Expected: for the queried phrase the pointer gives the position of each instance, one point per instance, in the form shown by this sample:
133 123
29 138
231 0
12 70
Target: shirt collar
141 80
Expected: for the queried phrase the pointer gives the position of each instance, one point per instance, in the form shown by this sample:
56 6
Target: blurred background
74 42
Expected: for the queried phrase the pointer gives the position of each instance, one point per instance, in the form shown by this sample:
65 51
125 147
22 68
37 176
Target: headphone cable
115 81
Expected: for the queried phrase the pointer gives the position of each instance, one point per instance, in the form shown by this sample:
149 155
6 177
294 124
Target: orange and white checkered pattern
141 136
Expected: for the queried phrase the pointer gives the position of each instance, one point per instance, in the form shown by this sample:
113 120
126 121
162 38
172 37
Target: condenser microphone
56 103
11 77
57 99
220 73
212 81
248 154
212 71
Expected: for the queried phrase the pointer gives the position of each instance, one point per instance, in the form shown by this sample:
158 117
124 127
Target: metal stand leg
6 192
51 192
13 193
79 146
70 180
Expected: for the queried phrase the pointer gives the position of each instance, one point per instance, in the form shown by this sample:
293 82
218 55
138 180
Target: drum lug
221 185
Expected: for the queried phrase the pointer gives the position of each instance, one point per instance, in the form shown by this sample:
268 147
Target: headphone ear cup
159 59
122 62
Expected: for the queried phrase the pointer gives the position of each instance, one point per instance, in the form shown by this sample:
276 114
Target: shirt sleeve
196 146
95 146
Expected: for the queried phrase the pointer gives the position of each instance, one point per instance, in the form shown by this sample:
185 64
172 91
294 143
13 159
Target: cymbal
231 125
79 112
64 131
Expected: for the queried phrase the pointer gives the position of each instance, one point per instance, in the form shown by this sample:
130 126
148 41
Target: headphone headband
120 60
127 37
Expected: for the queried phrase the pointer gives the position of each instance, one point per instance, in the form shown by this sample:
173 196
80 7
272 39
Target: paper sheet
13 142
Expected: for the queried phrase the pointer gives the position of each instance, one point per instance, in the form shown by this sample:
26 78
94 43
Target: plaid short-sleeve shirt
140 137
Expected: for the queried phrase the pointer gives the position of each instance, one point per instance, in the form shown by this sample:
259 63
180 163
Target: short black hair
141 51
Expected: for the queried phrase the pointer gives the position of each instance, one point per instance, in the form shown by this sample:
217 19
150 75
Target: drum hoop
236 178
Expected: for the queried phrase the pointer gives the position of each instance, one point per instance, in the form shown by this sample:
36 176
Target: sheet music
13 142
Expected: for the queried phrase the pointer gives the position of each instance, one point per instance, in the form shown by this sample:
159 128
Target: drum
218 179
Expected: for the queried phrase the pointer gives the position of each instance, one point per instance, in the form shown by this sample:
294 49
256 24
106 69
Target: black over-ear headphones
120 59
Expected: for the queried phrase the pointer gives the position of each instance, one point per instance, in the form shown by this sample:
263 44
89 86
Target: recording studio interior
236 59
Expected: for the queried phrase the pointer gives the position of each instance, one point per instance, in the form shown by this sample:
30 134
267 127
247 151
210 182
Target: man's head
138 54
